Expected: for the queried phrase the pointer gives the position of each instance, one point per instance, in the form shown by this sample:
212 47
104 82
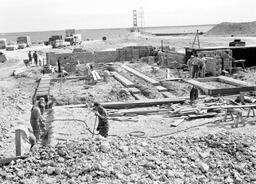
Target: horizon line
104 28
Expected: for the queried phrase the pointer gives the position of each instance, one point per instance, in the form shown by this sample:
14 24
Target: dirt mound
228 28
219 158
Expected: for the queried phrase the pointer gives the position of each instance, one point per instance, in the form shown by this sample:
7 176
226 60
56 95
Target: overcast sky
37 15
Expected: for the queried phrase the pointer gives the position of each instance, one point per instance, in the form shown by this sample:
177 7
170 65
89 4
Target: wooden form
161 88
127 83
141 103
140 75
239 86
134 90
135 104
167 94
139 97
138 111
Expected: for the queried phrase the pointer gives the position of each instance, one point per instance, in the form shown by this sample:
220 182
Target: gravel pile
220 158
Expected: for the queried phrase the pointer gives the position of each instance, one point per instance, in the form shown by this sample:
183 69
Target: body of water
94 34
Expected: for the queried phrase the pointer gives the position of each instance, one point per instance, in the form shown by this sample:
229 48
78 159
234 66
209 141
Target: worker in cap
103 125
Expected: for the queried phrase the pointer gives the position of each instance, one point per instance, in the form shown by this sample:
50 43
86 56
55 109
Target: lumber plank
97 75
137 103
171 79
134 90
207 79
177 122
141 103
126 82
140 75
205 115
139 97
141 111
44 85
231 91
167 94
161 88
235 82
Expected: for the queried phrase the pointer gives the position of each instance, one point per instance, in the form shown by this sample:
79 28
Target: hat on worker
96 104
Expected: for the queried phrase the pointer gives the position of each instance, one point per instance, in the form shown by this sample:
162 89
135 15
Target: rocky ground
192 156
215 158
15 96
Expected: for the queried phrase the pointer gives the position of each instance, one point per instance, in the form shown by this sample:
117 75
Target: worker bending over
103 125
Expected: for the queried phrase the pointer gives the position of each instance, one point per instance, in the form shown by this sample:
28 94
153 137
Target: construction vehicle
24 40
72 37
75 39
3 43
236 42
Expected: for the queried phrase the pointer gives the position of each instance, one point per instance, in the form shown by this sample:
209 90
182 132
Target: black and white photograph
127 92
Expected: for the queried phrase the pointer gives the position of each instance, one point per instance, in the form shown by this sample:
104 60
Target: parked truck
72 37
23 41
3 43
75 39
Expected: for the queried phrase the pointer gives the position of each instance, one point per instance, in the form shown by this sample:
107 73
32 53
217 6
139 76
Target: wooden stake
18 142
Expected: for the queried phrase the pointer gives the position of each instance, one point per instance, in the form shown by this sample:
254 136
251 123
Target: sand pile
228 28
220 158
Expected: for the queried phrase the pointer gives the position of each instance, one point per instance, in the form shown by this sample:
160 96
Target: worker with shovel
103 125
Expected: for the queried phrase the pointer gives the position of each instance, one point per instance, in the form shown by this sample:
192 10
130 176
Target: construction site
169 120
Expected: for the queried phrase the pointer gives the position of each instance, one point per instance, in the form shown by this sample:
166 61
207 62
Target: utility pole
196 39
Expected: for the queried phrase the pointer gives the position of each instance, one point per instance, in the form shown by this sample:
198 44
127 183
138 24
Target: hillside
228 28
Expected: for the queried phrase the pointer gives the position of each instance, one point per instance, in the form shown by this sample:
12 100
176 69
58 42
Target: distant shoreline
91 29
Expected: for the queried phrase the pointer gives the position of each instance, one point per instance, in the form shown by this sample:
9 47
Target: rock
124 149
203 167
61 159
170 174
61 152
169 152
57 171
105 147
20 173
50 170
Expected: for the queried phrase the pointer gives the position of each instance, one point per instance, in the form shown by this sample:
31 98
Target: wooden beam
204 87
144 77
161 88
141 103
134 90
18 142
235 82
141 111
207 79
168 94
127 83
139 97
171 79
133 104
